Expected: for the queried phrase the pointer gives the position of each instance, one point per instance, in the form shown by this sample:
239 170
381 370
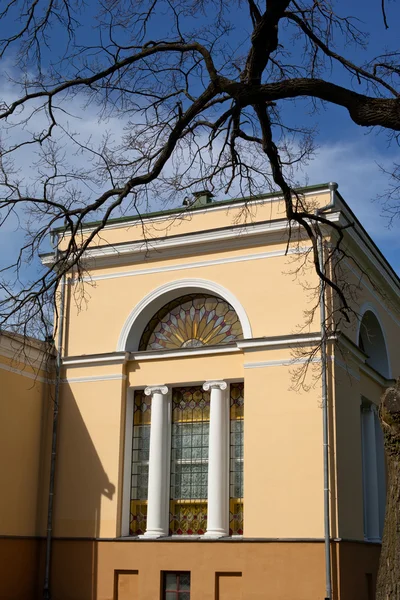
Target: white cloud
354 166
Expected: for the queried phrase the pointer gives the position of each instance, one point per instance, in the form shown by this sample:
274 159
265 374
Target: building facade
190 439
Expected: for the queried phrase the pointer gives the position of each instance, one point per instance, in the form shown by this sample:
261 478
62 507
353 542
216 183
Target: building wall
283 493
24 454
282 554
283 445
352 383
267 570
260 285
220 570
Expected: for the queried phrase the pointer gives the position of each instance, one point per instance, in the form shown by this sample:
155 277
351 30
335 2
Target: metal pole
325 415
46 587
325 432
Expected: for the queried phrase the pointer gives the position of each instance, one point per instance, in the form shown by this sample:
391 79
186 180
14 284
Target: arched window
192 321
372 342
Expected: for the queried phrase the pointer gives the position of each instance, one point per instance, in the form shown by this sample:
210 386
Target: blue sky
346 154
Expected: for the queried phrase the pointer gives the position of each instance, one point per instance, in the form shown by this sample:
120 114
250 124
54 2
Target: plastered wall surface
260 286
24 403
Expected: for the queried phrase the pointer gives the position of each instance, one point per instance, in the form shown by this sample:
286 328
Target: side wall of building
25 413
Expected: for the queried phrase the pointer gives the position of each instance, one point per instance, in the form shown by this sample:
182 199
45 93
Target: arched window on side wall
372 342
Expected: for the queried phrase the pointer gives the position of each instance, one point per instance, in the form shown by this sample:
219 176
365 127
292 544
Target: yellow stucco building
189 463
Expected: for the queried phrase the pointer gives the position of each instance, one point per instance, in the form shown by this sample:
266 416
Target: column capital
208 385
156 389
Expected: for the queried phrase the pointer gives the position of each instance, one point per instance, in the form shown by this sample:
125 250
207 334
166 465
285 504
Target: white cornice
282 362
227 238
93 378
377 377
286 341
182 353
213 207
360 357
356 352
199 264
114 254
88 360
265 343
343 365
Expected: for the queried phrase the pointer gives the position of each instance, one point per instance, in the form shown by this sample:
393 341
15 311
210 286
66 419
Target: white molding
284 362
285 341
348 369
360 357
92 378
356 352
377 377
182 352
114 254
199 264
114 358
153 301
25 374
216 206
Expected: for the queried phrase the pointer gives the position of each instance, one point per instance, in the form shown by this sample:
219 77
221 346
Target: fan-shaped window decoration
191 321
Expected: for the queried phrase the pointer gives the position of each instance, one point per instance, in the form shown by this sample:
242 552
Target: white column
218 461
371 491
157 524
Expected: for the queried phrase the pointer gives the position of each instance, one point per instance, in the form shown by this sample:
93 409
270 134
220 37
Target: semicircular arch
372 339
141 314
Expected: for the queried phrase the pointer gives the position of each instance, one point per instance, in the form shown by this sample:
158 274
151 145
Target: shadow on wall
81 482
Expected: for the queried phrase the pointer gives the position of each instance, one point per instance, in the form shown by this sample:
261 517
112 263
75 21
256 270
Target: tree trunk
388 584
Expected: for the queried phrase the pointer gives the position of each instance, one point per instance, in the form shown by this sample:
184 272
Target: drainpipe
325 417
46 587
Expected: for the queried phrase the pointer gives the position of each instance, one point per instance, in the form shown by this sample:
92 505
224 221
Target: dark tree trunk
388 585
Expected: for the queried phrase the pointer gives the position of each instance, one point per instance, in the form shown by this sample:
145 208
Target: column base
153 535
215 534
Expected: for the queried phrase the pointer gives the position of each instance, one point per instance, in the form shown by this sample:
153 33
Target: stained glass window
236 459
189 461
192 321
140 462
176 586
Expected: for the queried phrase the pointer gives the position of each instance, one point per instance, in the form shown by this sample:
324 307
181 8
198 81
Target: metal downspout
325 416
46 586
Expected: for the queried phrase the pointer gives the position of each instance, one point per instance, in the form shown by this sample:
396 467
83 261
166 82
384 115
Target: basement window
176 585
